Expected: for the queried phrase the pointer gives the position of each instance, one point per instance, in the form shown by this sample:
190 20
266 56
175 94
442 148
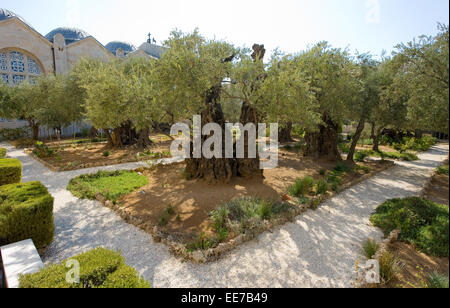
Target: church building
25 53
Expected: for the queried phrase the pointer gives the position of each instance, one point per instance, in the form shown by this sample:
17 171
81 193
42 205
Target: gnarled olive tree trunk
127 135
248 167
223 169
284 133
324 142
216 169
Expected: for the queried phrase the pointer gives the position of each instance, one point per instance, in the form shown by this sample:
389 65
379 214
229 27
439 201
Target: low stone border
382 248
59 169
213 254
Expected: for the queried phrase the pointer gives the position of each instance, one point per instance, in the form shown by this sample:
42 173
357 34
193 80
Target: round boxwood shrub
10 171
26 211
422 223
99 268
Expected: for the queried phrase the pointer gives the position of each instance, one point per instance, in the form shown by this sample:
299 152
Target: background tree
365 89
331 80
426 75
119 99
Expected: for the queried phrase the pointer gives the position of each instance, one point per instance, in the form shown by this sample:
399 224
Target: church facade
25 54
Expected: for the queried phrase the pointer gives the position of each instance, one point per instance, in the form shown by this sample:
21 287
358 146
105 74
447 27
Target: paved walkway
318 250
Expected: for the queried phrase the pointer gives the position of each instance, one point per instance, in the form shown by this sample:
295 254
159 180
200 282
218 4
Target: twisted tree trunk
248 167
324 143
284 133
216 169
127 135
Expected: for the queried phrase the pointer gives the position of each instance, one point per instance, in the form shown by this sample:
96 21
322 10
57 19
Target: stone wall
17 35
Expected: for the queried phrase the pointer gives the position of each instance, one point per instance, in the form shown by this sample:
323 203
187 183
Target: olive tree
120 99
331 78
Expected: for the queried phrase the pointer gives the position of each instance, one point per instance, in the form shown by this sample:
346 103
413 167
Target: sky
290 25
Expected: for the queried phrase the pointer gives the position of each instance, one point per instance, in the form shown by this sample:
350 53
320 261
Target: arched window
17 66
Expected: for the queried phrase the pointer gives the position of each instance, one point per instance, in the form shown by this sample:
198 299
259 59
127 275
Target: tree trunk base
324 143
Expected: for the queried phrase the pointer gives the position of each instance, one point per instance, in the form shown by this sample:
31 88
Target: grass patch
302 187
443 170
437 281
165 217
237 217
112 185
389 267
423 223
370 248
2 152
321 187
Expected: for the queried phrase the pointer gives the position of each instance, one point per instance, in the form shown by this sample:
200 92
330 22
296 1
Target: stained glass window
18 79
33 67
3 62
5 78
16 67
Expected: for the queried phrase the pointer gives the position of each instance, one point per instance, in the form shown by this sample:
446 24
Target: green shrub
10 171
344 148
342 168
99 268
43 151
392 155
321 187
420 145
437 281
443 170
106 154
245 210
362 168
26 211
2 152
360 156
11 134
423 223
111 184
301 187
370 248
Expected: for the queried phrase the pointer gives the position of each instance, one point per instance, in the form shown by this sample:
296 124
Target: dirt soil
438 190
411 259
194 200
78 156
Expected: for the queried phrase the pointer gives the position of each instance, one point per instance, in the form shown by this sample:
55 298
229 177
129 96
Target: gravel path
318 250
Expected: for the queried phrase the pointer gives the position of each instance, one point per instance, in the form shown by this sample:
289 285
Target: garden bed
79 154
415 266
178 211
437 189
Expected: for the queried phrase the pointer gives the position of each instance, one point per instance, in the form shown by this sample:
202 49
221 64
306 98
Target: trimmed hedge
26 211
10 171
422 223
2 152
99 268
